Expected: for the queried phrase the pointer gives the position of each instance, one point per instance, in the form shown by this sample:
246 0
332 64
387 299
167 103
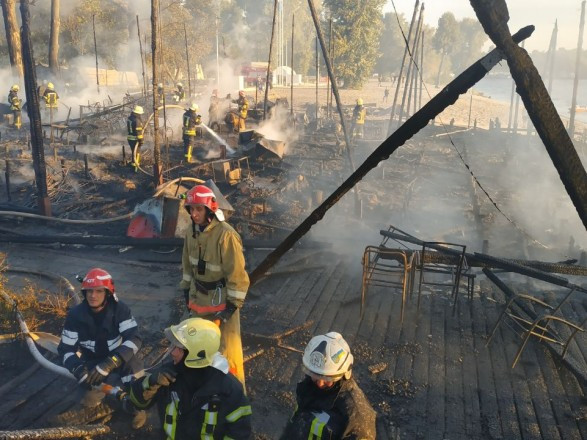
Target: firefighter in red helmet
214 281
100 340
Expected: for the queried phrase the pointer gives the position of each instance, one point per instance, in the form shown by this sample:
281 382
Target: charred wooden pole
157 172
145 89
96 51
187 58
421 70
446 97
332 44
269 61
34 112
401 69
328 78
12 37
577 71
54 39
334 88
414 75
292 61
552 56
494 16
411 62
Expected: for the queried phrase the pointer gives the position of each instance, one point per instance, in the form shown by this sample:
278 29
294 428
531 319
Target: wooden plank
436 404
488 403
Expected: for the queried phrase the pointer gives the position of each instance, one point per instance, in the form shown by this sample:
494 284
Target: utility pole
577 69
269 61
552 55
34 112
317 79
411 61
292 62
157 171
54 39
187 58
145 89
96 51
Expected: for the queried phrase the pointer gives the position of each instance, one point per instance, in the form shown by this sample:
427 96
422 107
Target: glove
81 373
186 296
223 316
101 371
162 376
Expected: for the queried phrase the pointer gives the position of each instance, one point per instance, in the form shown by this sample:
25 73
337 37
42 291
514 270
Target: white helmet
329 357
179 84
194 107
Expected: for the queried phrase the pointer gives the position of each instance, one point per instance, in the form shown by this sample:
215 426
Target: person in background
134 127
330 404
51 98
15 106
191 119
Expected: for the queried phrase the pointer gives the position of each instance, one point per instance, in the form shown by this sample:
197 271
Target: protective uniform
15 105
243 108
359 113
340 411
214 278
179 94
190 121
196 398
107 341
51 98
134 126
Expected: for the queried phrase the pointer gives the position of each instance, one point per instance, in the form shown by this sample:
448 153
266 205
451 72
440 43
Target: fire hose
66 220
51 433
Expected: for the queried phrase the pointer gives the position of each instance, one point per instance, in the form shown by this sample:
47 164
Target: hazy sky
540 13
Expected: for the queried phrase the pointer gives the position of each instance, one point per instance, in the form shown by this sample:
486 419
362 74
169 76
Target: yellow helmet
360 101
200 337
50 86
15 88
138 110
194 107
179 84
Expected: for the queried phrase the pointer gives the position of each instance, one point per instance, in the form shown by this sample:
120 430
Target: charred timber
419 120
85 431
493 15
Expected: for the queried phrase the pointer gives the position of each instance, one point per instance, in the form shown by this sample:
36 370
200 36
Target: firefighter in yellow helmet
191 120
134 127
243 108
214 281
359 113
195 394
51 98
15 106
330 404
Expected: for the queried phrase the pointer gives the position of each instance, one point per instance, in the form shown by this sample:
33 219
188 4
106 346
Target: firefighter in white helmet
191 120
214 281
330 404
134 128
195 394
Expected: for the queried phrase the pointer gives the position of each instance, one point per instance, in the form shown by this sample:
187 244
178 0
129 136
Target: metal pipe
435 106
269 61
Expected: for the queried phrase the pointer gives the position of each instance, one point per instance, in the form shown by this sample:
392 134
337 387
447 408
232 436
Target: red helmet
203 196
98 278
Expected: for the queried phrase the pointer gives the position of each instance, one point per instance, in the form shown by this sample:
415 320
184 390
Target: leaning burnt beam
446 97
493 15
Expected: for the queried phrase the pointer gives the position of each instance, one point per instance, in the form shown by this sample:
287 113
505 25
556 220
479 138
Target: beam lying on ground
493 15
420 119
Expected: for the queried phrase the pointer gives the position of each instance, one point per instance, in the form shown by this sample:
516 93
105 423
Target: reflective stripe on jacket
13 101
243 107
134 127
220 247
51 98
218 409
359 114
118 333
190 120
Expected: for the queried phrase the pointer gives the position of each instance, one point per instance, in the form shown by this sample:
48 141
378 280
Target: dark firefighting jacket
134 126
213 259
340 412
51 98
202 403
118 334
190 121
359 113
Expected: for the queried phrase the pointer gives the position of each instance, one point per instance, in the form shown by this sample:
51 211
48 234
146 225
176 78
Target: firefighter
15 106
100 337
214 279
330 404
195 394
359 113
214 111
160 92
179 94
191 119
243 108
51 98
134 125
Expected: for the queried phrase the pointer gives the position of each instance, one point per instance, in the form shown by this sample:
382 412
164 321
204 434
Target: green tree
391 44
357 28
470 45
445 39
